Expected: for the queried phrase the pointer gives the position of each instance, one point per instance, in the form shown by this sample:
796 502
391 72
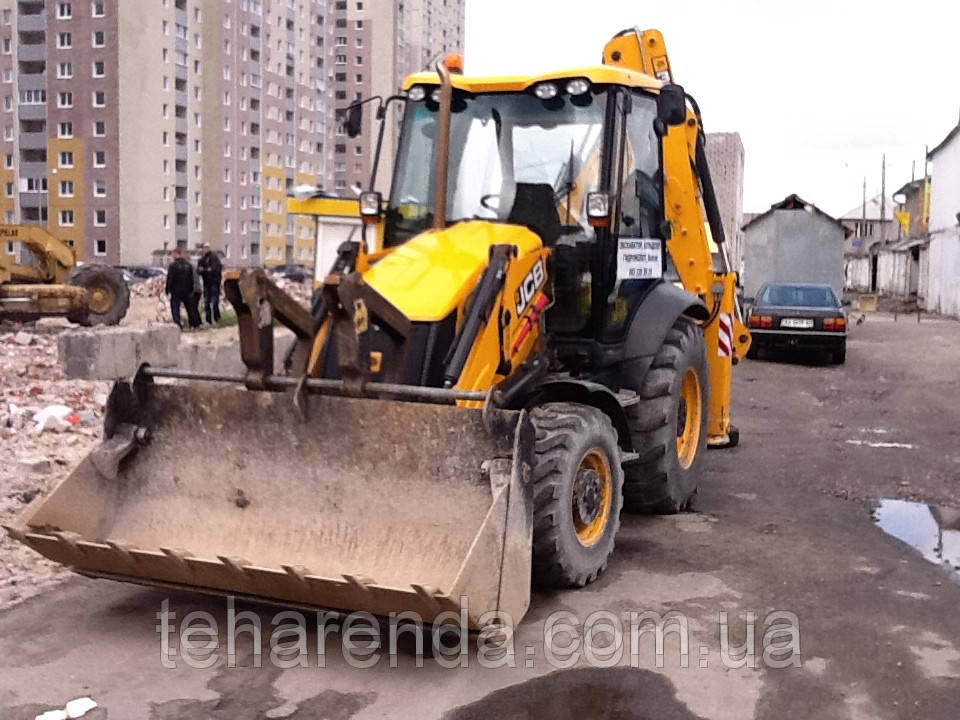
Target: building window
8 132
7 75
100 218
65 130
101 247
66 188
100 188
99 69
100 159
166 222
64 40
8 161
359 24
9 189
359 78
100 98
97 9
65 100
99 38
66 159
99 128
64 10
66 218
64 70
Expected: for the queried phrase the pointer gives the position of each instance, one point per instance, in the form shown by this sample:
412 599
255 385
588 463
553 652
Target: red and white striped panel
725 335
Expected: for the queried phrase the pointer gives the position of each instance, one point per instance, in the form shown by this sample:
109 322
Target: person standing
180 289
211 270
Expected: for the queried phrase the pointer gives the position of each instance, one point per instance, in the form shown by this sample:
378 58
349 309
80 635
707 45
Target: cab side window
640 192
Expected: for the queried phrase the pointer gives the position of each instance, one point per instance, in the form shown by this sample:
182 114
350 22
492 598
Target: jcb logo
529 287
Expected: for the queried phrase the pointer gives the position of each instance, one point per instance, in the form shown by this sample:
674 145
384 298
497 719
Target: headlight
545 91
578 86
416 93
435 95
370 206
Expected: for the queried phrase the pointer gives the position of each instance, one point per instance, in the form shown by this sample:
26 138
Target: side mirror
672 105
354 122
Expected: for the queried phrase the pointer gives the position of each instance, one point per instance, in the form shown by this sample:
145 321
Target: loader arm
54 257
690 208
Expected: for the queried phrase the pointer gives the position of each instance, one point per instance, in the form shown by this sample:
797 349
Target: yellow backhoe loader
53 285
480 385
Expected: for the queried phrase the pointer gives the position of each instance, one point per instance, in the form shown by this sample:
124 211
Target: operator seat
535 208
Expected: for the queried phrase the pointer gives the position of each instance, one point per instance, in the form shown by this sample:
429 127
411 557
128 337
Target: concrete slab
117 352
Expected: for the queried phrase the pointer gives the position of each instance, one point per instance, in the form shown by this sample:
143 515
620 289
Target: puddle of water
867 443
932 530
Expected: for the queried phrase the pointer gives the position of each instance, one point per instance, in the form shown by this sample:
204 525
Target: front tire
669 424
108 291
577 495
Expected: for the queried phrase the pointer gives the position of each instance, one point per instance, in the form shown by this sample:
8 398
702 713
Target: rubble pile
154 300
47 425
153 306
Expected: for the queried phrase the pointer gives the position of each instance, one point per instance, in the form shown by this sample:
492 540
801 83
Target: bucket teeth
298 572
237 565
361 582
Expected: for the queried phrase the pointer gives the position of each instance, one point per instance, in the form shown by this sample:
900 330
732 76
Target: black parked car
795 316
296 273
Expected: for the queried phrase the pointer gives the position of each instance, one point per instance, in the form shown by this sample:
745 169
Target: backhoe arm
691 210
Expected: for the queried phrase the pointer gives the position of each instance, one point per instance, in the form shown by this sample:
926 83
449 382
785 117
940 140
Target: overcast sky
817 90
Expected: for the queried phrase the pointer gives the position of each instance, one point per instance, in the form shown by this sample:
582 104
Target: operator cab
576 162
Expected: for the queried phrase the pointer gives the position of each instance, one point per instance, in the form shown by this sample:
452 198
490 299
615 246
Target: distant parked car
296 273
139 273
798 316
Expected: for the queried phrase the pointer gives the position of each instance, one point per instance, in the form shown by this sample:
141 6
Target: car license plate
798 323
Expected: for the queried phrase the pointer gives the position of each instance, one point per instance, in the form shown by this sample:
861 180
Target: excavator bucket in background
331 502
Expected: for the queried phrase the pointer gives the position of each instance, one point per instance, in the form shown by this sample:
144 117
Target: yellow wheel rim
592 497
101 299
689 416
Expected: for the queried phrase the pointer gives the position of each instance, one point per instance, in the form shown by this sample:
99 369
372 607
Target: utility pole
863 224
883 200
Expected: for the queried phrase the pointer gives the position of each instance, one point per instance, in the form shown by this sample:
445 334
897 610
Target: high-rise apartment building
131 127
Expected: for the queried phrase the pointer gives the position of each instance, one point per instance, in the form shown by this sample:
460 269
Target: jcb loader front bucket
352 504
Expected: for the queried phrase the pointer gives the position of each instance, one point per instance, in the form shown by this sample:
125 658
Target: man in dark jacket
211 270
180 290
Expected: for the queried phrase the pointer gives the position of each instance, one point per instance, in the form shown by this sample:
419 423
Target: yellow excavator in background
53 285
471 399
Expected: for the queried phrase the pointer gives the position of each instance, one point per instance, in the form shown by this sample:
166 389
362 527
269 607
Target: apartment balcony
31 81
33 141
32 112
32 53
33 169
32 23
180 152
33 200
180 179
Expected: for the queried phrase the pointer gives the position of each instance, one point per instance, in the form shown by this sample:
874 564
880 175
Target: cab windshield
504 147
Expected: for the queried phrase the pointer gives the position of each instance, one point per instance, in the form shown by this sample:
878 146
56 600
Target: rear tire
110 294
577 494
668 425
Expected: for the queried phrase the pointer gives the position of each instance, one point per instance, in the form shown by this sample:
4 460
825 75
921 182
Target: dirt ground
783 524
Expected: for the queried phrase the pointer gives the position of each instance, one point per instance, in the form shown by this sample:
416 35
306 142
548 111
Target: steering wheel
485 198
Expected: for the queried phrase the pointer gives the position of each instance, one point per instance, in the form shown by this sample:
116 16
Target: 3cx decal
529 287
